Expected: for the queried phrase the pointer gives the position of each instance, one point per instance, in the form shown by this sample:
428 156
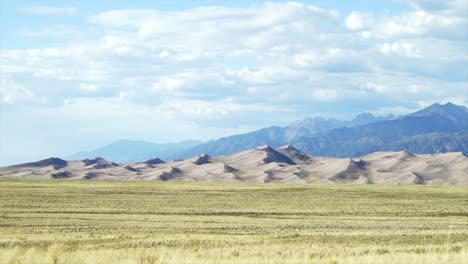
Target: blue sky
76 75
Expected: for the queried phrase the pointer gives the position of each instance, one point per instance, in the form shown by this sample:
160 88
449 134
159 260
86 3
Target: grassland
57 221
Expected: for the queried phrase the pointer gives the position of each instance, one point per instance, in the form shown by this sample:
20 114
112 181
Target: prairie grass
59 221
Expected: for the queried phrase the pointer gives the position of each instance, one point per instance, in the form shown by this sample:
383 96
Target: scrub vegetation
58 221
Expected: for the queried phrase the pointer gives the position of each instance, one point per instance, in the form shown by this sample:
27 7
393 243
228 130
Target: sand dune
153 161
55 162
263 165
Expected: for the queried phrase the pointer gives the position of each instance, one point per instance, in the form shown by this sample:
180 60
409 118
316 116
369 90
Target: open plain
62 221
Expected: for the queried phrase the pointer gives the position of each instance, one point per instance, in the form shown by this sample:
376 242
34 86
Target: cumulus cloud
12 92
449 7
52 31
432 19
292 60
148 56
49 10
400 49
359 20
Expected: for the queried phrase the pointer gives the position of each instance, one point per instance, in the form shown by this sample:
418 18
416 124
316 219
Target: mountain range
275 136
132 151
135 150
437 128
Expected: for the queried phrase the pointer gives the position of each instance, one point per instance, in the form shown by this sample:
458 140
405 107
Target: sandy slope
263 164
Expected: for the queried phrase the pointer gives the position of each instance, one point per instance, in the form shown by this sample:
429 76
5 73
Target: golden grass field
49 221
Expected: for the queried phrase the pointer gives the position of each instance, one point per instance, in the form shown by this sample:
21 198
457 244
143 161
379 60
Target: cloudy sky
76 75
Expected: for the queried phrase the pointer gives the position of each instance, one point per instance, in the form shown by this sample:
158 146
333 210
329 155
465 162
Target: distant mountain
438 128
320 125
274 136
433 143
132 151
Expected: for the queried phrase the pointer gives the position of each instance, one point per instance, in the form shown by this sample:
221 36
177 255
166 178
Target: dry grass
47 221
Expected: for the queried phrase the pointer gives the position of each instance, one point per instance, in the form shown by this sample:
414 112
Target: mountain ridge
385 135
274 135
437 128
125 150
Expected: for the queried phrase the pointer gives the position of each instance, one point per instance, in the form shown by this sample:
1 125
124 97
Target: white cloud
400 49
49 10
396 110
448 7
297 49
418 23
374 87
359 20
12 92
324 94
232 28
91 87
418 89
173 67
52 31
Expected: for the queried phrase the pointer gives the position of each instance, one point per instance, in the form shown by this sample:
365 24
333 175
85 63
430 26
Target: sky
77 75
